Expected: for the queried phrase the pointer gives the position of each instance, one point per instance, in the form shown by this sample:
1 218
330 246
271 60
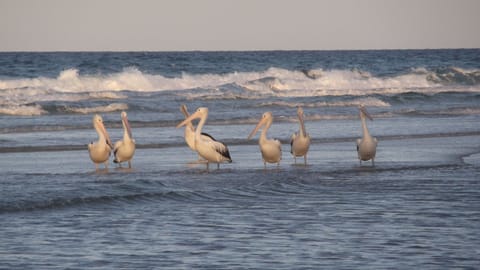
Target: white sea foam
23 110
70 86
271 81
100 109
368 101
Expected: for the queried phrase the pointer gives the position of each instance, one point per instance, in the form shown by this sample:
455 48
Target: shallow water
418 207
57 212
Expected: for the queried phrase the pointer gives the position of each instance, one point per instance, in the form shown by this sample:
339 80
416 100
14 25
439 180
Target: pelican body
300 141
123 150
367 145
271 149
211 150
190 131
99 151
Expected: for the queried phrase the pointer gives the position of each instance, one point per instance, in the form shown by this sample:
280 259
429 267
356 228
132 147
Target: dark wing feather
222 149
208 135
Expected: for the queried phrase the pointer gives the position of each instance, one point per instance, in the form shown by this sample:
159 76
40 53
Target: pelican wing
294 135
220 148
277 142
117 145
207 137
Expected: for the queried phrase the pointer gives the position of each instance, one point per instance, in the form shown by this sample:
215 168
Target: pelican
123 150
100 151
367 145
190 131
209 149
271 148
300 141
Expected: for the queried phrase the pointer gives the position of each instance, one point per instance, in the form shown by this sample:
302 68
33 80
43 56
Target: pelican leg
305 159
373 162
218 166
129 164
295 158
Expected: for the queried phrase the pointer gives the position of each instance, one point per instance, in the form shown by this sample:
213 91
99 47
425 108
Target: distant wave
23 96
36 109
22 110
452 75
368 101
272 79
108 108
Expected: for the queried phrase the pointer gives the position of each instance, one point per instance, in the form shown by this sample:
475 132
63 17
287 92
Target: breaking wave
23 96
22 110
99 109
272 79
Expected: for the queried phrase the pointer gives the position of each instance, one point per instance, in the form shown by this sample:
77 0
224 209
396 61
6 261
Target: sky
211 25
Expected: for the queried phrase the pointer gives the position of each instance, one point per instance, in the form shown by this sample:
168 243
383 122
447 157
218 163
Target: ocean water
418 207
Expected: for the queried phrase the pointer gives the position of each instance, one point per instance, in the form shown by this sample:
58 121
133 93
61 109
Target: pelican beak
107 137
254 131
127 126
365 112
184 110
300 118
189 119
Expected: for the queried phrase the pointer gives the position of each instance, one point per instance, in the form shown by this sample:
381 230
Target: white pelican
100 151
211 150
367 145
123 150
300 141
190 131
271 148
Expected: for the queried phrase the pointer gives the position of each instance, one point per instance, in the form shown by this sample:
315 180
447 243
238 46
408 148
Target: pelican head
98 124
266 120
300 112
364 113
201 112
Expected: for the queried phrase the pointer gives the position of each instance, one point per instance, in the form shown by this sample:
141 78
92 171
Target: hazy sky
86 25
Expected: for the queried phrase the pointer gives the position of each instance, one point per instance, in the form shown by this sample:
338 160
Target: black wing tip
226 154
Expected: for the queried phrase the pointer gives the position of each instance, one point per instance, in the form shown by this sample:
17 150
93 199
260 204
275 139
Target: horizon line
233 50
